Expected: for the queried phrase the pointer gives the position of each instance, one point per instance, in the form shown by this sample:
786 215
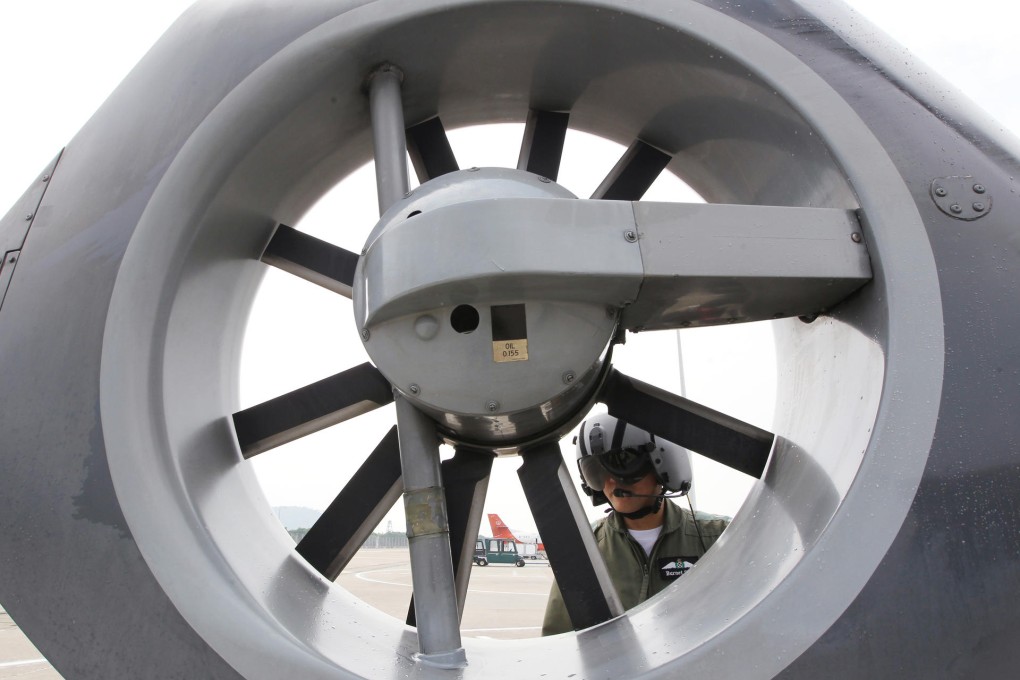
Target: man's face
646 486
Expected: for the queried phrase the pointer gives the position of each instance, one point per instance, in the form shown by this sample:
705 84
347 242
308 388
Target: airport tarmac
503 602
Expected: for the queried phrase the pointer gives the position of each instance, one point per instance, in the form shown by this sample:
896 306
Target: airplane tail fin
499 528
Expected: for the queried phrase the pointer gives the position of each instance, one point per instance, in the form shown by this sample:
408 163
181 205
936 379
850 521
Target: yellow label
510 350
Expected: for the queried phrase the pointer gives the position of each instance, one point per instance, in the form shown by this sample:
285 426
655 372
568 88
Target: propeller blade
542 146
577 565
715 435
311 408
342 529
636 170
430 150
312 259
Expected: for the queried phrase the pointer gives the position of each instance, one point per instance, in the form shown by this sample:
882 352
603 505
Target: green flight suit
635 575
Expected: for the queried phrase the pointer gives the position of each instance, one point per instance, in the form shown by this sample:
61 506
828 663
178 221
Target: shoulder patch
671 568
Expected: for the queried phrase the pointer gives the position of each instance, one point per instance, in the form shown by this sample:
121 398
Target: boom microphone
622 493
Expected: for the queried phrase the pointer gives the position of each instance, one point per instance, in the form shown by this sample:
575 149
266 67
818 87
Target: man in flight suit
647 540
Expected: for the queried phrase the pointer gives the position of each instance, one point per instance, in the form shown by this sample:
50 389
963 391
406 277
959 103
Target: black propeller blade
636 170
312 259
580 571
542 146
430 150
715 435
311 408
342 529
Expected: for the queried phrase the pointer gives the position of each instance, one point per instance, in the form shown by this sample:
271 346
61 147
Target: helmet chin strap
644 511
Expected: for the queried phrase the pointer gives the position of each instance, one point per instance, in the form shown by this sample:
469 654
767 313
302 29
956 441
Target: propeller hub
488 354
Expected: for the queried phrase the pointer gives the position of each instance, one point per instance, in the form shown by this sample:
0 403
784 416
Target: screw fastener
413 389
955 209
979 207
568 377
492 406
630 235
979 188
365 334
940 191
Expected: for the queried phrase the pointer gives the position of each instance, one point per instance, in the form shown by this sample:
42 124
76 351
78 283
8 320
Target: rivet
29 216
413 389
979 188
544 179
630 235
568 377
855 237
979 207
14 258
46 178
955 208
365 334
475 169
940 191
492 406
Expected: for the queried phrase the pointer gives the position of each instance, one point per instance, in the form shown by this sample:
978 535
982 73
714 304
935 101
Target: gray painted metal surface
883 538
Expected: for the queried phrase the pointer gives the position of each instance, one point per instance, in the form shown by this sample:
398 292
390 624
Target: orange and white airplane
529 545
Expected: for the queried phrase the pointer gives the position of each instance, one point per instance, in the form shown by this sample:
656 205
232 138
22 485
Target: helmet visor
627 465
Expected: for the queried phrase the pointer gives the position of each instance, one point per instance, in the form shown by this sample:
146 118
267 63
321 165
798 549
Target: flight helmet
609 447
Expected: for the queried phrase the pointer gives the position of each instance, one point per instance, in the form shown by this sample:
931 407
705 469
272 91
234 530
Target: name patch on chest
671 568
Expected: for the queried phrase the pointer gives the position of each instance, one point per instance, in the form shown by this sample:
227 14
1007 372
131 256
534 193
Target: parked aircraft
528 545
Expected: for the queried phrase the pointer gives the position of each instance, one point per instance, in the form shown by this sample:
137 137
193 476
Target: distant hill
294 517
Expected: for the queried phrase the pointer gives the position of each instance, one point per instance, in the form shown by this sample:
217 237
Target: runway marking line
364 577
27 662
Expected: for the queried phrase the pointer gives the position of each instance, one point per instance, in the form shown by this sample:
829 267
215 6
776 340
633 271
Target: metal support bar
428 534
388 136
465 482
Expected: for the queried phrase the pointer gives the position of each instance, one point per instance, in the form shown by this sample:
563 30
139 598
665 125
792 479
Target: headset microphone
622 493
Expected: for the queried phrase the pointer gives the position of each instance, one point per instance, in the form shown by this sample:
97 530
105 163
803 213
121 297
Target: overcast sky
59 61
